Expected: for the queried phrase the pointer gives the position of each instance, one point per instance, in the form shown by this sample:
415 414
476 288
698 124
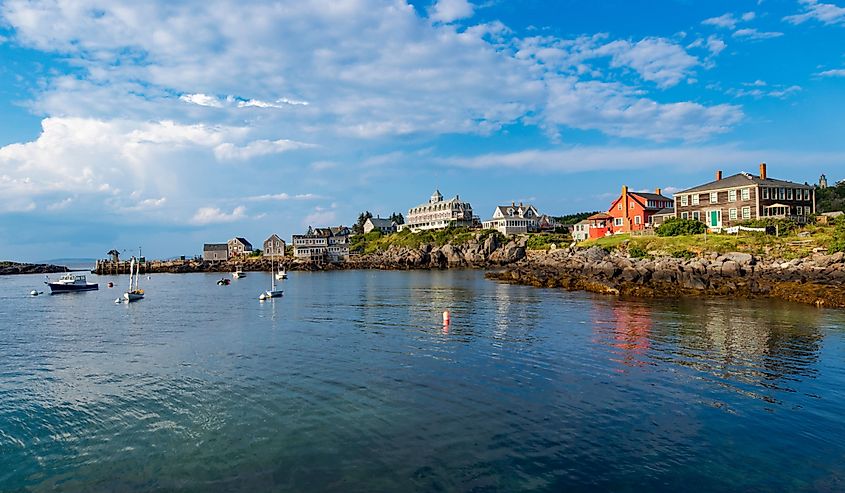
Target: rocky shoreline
11 268
818 280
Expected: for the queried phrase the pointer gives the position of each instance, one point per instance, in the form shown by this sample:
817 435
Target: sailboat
135 293
273 292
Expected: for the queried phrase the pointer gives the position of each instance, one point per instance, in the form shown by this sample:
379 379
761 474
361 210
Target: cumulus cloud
213 215
826 13
451 10
655 59
202 100
727 21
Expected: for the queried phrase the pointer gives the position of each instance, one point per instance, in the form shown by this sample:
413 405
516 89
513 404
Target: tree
397 218
358 228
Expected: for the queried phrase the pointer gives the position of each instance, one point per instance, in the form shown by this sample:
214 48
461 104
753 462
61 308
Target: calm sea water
352 383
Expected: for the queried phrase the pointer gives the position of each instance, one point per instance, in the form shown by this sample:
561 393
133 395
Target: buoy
117 301
111 284
262 297
446 317
33 293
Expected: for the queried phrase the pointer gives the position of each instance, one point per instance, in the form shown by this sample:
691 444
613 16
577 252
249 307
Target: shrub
681 227
636 251
783 226
544 241
838 242
683 254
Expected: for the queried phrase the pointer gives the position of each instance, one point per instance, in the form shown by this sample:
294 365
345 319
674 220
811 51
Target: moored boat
135 292
70 282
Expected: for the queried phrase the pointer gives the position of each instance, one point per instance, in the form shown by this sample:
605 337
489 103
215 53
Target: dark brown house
726 202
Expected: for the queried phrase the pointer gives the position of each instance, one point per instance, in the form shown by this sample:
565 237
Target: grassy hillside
375 241
798 243
831 199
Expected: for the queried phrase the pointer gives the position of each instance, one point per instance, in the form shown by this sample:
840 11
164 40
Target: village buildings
239 246
274 246
516 219
728 201
439 214
215 251
386 226
322 244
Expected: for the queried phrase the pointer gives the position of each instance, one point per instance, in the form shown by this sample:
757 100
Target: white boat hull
130 297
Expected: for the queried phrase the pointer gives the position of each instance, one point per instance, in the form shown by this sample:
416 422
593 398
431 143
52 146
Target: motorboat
282 274
238 273
224 282
70 283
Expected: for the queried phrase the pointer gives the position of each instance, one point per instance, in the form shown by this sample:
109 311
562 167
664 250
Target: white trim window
788 194
731 195
684 215
714 197
765 193
696 215
695 199
808 211
746 194
619 206
638 220
746 212
806 194
781 193
684 200
732 214
617 221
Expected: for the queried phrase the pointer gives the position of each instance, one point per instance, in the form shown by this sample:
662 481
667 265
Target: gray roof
743 180
243 241
274 237
215 247
380 222
664 212
651 196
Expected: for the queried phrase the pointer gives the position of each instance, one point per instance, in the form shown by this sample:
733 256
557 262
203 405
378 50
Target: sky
165 125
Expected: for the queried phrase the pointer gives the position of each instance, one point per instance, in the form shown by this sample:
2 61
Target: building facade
274 246
386 226
516 219
726 202
215 251
322 244
633 211
439 214
239 246
581 230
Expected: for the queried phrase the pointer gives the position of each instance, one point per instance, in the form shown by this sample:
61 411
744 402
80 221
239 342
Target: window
620 206
684 200
714 197
808 211
632 205
765 193
746 212
695 199
637 219
732 214
806 194
617 221
684 215
696 215
746 194
781 193
731 195
788 194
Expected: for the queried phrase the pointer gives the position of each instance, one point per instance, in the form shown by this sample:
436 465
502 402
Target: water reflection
752 348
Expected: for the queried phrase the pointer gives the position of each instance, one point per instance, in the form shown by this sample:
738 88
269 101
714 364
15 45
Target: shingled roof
743 180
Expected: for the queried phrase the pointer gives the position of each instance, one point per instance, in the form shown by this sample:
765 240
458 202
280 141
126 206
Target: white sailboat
273 292
134 293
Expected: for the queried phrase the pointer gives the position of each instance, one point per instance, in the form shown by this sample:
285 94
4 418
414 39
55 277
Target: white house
581 230
330 244
516 219
438 214
386 226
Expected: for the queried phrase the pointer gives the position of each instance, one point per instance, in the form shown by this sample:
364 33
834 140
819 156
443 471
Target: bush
544 241
683 254
783 226
838 242
636 251
681 227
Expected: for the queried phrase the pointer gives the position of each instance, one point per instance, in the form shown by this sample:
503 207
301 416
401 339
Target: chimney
513 204
718 175
657 191
520 204
762 171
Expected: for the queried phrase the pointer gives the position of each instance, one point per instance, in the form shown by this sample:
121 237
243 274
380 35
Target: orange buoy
446 317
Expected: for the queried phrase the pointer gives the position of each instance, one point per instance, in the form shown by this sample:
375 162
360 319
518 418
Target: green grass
544 241
375 241
787 246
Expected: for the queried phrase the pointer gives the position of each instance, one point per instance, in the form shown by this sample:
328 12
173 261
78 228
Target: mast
131 272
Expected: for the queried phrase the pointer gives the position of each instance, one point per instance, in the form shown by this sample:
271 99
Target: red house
632 211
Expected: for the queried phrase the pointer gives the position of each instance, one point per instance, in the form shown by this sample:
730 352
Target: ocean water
351 382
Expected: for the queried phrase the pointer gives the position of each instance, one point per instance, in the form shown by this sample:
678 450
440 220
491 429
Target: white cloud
279 103
229 151
451 10
202 100
839 72
826 13
727 21
749 16
590 158
213 215
655 59
283 197
752 33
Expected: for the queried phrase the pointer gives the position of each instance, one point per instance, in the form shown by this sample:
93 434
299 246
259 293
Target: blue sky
166 125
